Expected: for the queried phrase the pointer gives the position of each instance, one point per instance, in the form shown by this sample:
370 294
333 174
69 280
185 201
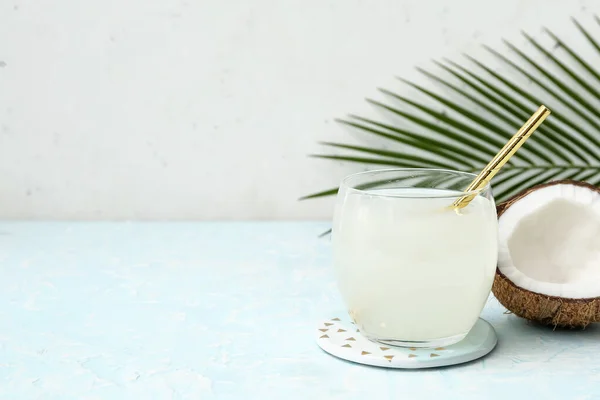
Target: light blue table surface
228 311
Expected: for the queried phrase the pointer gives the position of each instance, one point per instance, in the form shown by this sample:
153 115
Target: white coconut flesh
549 242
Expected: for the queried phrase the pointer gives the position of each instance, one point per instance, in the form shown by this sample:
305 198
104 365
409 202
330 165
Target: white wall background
207 109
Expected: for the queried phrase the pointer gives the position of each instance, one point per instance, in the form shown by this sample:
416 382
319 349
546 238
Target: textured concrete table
225 310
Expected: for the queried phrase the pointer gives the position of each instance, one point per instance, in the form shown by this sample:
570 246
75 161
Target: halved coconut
549 254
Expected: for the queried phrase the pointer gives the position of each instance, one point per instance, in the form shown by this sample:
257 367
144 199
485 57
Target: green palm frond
442 130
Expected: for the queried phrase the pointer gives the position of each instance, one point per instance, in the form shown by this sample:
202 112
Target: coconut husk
548 310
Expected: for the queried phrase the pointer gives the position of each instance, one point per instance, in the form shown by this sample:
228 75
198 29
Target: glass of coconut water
412 270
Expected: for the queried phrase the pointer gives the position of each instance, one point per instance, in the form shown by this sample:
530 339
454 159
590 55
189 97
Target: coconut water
410 269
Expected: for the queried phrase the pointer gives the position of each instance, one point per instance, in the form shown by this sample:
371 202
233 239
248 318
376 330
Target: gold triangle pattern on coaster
339 339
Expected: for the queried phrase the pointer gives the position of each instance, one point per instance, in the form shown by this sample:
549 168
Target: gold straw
502 157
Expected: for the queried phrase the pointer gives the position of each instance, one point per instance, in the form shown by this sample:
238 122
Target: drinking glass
412 270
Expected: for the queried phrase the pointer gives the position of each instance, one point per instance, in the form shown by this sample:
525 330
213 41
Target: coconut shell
548 310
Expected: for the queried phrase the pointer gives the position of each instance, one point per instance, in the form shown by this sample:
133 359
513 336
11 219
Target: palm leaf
427 144
550 133
574 55
564 120
462 121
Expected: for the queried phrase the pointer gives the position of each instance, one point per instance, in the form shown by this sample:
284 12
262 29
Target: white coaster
340 338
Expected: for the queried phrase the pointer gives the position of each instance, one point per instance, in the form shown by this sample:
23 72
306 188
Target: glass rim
372 192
